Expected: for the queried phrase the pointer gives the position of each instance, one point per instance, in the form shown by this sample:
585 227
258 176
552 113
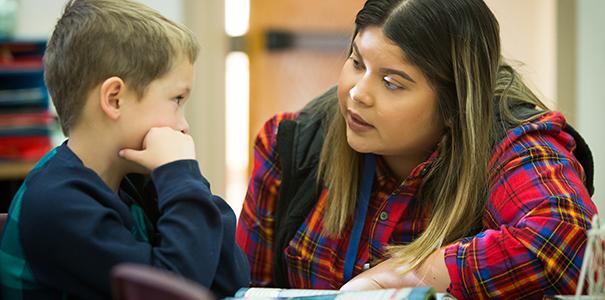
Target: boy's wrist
177 178
182 166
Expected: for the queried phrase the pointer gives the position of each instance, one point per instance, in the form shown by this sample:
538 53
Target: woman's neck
401 166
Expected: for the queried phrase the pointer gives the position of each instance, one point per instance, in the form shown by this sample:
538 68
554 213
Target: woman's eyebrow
385 70
397 72
356 51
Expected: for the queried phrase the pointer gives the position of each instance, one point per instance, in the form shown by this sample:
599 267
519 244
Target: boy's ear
112 93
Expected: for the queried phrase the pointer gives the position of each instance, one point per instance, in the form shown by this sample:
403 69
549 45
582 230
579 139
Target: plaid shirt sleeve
536 217
255 227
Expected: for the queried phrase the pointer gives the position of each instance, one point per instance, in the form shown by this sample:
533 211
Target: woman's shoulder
306 127
268 131
541 142
266 139
547 130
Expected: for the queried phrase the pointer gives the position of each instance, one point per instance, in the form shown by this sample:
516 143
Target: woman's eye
390 85
356 64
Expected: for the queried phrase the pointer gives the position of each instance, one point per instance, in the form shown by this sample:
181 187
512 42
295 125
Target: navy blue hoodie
67 229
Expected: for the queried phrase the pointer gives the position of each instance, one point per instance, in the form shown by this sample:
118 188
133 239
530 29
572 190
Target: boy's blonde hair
98 39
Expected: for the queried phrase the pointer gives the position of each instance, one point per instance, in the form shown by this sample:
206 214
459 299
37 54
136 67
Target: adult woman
435 147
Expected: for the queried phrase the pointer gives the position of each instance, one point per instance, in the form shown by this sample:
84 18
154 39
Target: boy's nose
184 126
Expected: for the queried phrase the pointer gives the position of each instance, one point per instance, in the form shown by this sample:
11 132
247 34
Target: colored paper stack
25 120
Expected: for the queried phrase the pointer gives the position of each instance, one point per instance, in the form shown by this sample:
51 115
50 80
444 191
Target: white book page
304 292
385 294
269 292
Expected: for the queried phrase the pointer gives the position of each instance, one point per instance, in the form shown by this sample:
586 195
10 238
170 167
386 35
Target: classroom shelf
15 170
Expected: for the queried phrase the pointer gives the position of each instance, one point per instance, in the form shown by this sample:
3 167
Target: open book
418 293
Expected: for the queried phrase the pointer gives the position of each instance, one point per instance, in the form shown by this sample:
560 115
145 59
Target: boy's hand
161 145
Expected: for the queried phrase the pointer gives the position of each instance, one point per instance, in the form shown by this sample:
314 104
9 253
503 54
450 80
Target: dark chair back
140 282
3 218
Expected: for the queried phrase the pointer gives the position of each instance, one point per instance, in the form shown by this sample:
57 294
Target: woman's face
388 105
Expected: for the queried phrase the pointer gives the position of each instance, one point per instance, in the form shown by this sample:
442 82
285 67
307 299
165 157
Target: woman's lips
357 123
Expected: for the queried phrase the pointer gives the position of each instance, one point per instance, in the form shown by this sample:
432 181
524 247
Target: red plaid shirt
534 223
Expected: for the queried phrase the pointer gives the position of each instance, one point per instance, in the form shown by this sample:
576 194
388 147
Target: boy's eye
179 99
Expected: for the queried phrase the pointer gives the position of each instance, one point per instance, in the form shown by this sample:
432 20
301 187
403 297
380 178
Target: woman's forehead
371 42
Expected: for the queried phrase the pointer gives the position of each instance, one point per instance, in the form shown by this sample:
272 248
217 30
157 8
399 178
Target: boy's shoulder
58 169
59 178
62 195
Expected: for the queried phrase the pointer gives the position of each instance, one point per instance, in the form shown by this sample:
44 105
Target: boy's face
162 105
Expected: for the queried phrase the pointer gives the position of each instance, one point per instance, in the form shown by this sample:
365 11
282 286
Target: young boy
119 75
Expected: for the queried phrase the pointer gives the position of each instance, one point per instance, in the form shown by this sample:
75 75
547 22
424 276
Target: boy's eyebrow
185 90
385 70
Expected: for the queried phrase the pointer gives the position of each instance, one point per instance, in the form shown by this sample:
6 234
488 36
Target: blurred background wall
590 80
37 18
277 55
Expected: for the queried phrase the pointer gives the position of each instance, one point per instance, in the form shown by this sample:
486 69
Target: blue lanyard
363 200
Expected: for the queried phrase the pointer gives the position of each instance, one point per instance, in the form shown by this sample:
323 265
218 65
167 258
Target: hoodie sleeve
537 215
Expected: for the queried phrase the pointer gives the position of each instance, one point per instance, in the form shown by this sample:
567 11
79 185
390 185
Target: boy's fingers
129 154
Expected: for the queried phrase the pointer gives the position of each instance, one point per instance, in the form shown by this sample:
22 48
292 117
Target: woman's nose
360 93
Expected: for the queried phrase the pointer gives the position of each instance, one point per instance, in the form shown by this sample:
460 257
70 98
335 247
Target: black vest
299 144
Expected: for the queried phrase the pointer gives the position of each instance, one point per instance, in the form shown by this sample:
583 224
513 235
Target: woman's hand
389 274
